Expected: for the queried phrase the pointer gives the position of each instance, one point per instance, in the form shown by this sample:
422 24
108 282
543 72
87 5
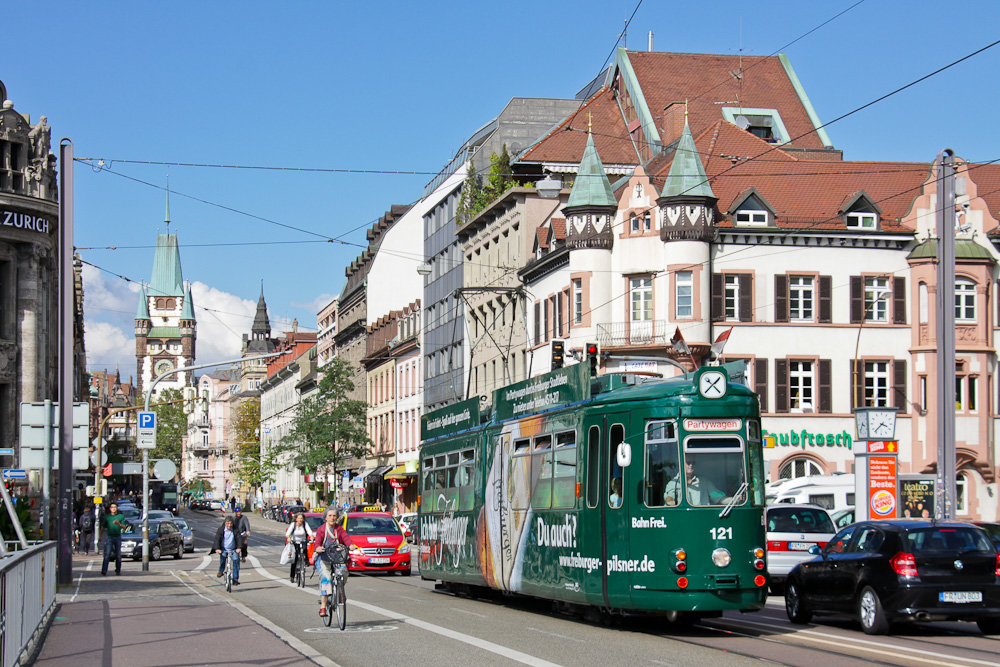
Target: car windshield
181 523
930 541
314 522
129 512
371 525
798 520
135 528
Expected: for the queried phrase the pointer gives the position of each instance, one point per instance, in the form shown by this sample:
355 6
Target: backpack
86 521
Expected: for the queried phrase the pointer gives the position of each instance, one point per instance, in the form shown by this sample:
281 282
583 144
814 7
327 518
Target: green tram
620 492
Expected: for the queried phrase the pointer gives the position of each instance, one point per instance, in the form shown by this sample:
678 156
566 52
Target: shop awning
378 472
399 472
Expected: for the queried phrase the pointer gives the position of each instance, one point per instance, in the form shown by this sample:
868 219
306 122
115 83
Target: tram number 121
724 533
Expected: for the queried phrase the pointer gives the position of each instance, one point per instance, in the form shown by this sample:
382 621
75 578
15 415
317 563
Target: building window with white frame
965 300
877 383
732 296
876 299
641 290
684 296
861 220
800 298
800 386
577 301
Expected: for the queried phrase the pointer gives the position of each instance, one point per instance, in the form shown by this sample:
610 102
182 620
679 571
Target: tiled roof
804 194
708 82
565 143
559 228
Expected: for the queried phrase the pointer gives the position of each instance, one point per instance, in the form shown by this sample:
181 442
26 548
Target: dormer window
765 124
751 218
861 220
750 210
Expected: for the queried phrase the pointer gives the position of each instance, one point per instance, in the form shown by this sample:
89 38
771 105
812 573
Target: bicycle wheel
341 597
229 575
300 571
328 618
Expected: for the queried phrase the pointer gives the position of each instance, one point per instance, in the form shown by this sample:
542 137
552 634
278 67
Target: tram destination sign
550 390
451 419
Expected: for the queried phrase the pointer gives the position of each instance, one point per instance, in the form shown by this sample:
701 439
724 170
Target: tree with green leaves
479 192
329 428
253 466
468 202
171 426
499 178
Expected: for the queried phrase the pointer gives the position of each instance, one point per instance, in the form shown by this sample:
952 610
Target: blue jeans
235 556
112 542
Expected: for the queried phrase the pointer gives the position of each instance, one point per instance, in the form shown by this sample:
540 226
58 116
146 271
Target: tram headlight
721 557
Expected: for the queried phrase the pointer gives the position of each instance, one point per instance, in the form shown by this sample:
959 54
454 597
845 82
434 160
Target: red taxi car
381 544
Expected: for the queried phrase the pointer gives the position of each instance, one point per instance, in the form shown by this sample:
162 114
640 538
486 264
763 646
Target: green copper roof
591 187
687 175
964 249
167 279
142 312
187 311
164 332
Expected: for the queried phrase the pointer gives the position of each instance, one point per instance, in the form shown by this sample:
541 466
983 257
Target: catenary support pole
945 505
64 533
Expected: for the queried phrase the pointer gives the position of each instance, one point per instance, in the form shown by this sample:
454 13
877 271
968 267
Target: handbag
286 555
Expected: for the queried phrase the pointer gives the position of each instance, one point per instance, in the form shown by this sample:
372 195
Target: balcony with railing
639 332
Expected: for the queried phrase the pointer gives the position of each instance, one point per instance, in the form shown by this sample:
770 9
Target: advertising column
876 481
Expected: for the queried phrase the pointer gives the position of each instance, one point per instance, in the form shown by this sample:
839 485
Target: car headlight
404 547
721 557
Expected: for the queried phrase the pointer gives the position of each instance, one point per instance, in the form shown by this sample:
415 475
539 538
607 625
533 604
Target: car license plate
800 546
960 596
378 561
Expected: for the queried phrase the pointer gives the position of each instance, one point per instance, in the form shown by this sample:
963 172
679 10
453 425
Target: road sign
39 430
147 431
107 470
164 469
13 473
6 451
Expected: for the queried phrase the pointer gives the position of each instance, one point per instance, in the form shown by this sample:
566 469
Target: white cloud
109 347
316 304
105 294
222 318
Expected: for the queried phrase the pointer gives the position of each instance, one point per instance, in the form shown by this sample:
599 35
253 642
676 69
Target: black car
164 538
900 570
289 512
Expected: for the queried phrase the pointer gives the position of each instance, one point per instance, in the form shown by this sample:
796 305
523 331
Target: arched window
799 467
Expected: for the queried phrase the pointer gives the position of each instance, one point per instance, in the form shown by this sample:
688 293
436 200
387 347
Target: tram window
756 453
522 446
467 494
615 437
564 473
713 469
662 465
520 473
541 472
593 464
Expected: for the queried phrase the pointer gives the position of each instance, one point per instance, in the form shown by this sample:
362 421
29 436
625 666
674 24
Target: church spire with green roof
687 203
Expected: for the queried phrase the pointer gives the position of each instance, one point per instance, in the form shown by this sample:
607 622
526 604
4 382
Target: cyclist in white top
298 534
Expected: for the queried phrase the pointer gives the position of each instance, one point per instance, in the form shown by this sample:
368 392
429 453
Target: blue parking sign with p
147 420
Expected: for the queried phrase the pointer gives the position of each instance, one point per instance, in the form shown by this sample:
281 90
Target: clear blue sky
397 86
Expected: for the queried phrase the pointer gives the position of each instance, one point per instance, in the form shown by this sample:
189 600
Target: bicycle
227 574
301 561
337 600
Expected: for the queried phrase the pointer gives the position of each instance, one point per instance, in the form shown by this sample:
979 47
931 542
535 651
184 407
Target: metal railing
640 332
27 596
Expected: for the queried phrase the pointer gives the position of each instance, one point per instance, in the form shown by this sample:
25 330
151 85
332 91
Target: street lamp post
859 391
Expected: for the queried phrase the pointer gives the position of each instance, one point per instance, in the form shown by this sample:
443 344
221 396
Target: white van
831 492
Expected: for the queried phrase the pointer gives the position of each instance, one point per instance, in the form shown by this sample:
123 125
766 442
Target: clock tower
165 326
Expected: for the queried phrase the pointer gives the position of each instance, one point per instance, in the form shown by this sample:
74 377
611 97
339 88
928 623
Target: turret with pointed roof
261 328
592 205
687 203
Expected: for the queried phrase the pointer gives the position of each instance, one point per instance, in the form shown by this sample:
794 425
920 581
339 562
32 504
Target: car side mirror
815 550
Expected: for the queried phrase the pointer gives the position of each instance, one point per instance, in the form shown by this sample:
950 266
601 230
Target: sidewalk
160 617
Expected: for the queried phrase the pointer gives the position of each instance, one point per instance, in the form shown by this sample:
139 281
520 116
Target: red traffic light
591 349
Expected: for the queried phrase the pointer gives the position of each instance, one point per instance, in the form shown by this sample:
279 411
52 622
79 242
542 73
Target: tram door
618 505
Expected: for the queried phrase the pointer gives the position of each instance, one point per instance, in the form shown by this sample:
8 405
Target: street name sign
13 473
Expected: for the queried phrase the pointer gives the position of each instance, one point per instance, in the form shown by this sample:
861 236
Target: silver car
188 533
791 531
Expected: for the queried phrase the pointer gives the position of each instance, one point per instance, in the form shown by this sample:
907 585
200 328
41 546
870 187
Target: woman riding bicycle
298 534
330 536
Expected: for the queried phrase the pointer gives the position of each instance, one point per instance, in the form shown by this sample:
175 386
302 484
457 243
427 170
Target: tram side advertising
623 492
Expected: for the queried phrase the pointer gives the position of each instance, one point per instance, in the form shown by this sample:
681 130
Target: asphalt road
392 618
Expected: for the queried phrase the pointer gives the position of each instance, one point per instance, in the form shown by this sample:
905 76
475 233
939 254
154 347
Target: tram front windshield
712 473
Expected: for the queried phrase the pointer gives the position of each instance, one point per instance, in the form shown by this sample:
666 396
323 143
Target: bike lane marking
483 644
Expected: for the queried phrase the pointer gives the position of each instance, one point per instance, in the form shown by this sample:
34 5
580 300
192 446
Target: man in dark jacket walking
85 524
242 525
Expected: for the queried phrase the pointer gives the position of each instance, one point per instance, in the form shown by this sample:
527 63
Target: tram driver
700 490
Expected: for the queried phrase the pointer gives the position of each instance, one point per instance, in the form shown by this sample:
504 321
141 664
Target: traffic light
593 352
204 401
189 394
557 354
